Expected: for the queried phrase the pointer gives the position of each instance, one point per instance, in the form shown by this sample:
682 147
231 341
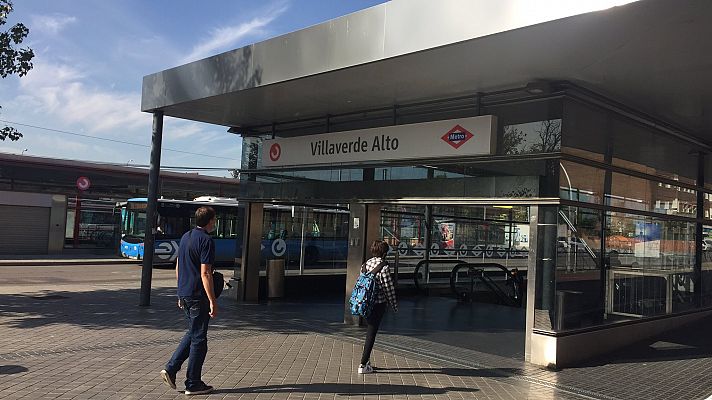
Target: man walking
194 273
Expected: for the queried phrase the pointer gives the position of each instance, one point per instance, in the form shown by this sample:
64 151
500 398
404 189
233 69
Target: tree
13 60
549 135
512 140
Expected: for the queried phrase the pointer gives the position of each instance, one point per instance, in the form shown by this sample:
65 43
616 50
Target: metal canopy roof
653 55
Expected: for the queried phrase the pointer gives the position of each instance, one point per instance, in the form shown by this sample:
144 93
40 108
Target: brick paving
90 341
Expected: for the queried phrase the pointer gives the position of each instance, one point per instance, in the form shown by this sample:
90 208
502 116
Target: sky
91 56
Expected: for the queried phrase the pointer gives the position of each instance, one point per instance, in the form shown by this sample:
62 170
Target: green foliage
13 60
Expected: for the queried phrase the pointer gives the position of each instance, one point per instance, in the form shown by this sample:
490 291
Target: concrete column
149 240
251 253
364 228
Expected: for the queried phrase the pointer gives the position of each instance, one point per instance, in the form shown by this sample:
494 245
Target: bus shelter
587 131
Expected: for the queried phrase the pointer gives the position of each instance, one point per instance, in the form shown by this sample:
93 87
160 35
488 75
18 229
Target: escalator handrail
435 261
484 279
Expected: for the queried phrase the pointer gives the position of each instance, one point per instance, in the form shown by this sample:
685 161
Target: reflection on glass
706 265
457 234
641 194
532 137
637 148
585 131
306 238
578 277
650 263
582 183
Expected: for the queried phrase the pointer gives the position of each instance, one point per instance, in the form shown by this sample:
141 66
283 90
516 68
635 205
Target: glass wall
474 234
651 264
307 238
626 241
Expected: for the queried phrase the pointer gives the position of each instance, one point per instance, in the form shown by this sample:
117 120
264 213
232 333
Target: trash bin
275 278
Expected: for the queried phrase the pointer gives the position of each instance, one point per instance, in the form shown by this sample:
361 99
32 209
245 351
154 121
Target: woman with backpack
385 293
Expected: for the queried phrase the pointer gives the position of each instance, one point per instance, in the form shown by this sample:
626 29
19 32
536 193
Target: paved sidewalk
93 342
98 344
62 259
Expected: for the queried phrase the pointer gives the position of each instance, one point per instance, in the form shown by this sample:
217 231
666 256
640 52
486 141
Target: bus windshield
134 223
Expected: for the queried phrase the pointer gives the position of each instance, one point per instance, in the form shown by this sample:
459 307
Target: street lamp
128 162
23 152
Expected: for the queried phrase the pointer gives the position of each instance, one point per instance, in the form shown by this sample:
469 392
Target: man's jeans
194 346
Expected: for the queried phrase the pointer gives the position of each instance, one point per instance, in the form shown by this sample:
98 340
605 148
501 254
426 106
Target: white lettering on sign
438 139
167 251
279 247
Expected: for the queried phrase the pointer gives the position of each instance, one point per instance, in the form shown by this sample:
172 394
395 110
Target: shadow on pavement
12 369
106 309
346 389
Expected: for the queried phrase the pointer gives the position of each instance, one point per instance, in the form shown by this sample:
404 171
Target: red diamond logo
457 136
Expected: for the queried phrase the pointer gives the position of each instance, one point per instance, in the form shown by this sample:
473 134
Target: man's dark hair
203 215
379 248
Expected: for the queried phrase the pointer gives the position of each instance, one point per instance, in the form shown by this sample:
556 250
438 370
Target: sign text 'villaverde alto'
438 139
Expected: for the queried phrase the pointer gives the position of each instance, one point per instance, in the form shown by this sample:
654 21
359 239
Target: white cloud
50 24
60 90
224 38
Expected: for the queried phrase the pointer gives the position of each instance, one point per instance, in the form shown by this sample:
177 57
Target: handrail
576 235
476 271
431 261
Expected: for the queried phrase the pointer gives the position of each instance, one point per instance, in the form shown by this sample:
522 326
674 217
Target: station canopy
652 55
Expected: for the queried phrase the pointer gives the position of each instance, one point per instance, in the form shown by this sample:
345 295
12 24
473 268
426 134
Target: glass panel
584 131
639 149
532 137
314 238
403 227
707 265
581 182
578 274
528 128
645 195
282 231
650 265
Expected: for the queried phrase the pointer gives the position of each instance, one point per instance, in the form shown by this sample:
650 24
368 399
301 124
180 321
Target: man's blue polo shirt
196 247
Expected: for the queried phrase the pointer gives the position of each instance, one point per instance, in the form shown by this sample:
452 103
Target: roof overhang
653 55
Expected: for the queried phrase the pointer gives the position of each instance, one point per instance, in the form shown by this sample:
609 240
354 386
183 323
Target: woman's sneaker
205 389
365 369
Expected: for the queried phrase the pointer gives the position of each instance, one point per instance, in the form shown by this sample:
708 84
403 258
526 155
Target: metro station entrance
460 269
468 289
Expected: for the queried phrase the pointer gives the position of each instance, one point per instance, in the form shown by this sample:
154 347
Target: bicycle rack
476 272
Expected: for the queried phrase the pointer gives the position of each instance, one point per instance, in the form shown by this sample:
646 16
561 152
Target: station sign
83 183
475 136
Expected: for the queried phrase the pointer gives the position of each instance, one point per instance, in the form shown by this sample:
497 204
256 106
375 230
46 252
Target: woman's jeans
373 321
194 346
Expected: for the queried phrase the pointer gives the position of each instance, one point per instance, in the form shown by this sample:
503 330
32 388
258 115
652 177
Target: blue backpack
363 296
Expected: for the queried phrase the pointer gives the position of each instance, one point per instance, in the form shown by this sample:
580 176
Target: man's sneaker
168 379
205 389
365 369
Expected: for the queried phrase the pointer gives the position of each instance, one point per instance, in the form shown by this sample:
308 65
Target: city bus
305 237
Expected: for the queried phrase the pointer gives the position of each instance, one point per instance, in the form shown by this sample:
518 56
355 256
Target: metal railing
511 295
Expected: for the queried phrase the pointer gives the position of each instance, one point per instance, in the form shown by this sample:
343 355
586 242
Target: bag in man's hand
363 297
218 283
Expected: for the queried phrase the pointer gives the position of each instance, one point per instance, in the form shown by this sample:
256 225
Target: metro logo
457 136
